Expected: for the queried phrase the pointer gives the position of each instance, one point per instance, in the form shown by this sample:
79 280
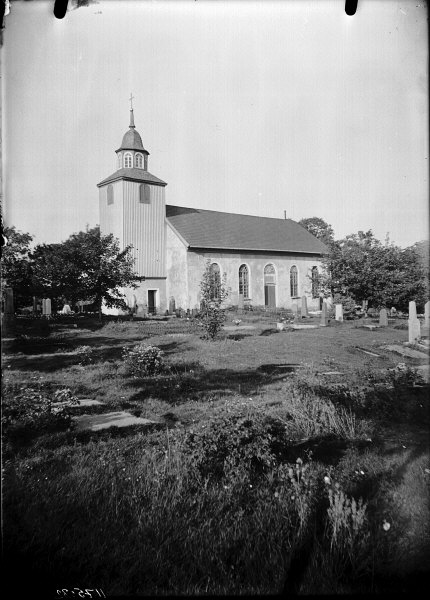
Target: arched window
315 282
293 282
128 160
145 193
110 194
120 161
244 281
138 161
215 280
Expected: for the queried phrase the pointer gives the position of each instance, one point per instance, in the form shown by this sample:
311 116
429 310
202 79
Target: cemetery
290 454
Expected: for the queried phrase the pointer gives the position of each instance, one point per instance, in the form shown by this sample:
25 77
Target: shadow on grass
53 361
196 383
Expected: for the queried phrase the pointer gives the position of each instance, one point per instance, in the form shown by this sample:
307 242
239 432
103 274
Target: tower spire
131 111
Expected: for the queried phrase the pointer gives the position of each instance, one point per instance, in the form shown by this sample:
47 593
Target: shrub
231 442
143 360
214 292
85 354
34 411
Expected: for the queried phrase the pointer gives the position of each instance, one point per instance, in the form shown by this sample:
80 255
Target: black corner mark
351 7
60 8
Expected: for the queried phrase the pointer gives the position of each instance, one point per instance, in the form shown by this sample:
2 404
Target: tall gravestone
240 302
427 316
324 317
414 326
46 307
8 320
339 312
383 318
295 310
172 306
304 311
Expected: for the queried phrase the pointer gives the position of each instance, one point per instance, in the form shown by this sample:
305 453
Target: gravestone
383 318
427 315
295 309
240 302
412 310
46 307
339 312
8 320
66 310
172 306
414 326
324 317
304 311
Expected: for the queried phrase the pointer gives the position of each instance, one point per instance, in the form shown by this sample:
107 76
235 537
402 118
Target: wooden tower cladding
133 207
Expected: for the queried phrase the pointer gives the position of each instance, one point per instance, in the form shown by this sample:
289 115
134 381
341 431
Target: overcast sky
247 107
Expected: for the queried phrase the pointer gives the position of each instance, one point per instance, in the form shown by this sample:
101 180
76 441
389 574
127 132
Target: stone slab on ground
404 351
371 327
236 327
333 373
299 326
82 403
367 351
112 419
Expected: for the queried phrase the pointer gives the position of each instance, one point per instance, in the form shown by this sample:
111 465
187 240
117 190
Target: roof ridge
222 212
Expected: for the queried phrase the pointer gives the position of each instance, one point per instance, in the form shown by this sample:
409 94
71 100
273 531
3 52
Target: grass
262 475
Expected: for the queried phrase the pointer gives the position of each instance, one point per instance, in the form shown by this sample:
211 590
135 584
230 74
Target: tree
214 292
319 228
16 268
383 274
87 266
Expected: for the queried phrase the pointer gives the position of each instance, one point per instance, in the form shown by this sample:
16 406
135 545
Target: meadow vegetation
257 477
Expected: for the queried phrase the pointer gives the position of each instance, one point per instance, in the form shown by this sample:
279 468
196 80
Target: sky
246 107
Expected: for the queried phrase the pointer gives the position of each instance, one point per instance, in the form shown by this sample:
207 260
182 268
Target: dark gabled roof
227 231
133 174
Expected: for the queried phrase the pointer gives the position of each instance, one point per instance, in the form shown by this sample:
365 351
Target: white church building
268 262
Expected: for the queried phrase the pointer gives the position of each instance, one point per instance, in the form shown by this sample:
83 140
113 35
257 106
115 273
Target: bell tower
133 208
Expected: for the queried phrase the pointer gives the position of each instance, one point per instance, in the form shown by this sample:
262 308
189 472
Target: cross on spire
131 111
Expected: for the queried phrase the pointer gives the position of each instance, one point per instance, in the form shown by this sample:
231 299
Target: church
267 262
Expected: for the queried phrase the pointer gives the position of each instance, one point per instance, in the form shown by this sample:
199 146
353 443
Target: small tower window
110 194
128 160
120 161
144 193
293 282
138 161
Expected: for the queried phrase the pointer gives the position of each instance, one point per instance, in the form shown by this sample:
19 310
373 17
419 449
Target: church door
151 302
270 286
269 296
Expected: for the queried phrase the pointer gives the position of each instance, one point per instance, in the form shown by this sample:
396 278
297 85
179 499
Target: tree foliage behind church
15 265
366 269
87 266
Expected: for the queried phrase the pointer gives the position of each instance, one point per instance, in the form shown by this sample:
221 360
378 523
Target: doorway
270 286
152 302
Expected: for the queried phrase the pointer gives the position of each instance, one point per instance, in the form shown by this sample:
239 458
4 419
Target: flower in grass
327 480
385 525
